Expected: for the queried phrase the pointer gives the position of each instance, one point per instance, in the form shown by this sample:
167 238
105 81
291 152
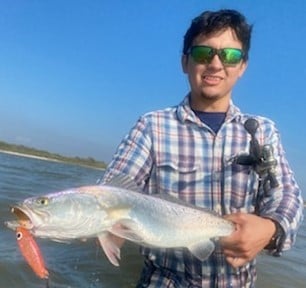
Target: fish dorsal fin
123 181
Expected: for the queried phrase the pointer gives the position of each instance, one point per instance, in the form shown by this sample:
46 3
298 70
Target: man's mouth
212 79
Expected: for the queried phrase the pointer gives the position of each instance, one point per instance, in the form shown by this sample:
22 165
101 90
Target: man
209 154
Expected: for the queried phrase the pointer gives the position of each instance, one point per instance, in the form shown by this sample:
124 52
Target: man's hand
252 234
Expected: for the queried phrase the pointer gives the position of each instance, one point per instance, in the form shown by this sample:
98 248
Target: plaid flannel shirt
171 151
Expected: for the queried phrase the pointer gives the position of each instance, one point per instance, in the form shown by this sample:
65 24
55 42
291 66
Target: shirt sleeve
284 203
133 155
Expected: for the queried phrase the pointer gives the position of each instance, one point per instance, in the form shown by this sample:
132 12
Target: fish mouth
23 219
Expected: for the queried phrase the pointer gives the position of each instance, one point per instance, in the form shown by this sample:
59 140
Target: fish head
61 216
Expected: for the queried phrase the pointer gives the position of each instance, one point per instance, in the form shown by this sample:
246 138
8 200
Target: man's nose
216 62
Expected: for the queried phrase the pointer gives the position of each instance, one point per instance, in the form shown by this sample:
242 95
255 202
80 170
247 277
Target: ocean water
83 264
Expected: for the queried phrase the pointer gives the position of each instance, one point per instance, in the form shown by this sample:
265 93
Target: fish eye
42 201
19 235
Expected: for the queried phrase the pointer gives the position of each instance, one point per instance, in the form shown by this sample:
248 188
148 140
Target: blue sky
75 75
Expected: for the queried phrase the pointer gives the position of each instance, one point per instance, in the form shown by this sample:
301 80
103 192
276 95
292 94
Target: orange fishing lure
30 251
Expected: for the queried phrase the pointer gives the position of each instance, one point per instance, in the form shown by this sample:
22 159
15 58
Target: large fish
102 210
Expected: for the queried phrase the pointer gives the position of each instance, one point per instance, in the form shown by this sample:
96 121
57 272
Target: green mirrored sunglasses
205 54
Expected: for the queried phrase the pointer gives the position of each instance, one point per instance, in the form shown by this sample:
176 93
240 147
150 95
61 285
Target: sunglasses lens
231 55
201 54
205 54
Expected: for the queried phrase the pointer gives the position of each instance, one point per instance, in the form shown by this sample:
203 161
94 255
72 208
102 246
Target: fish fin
202 250
111 250
127 229
123 181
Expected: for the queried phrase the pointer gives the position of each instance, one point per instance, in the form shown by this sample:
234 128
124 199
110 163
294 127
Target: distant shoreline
28 155
46 159
30 152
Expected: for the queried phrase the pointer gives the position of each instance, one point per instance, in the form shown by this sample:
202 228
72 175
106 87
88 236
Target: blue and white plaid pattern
171 151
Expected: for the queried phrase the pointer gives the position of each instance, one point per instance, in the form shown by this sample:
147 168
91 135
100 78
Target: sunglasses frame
214 51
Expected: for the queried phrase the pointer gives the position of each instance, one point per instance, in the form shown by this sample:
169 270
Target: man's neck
206 104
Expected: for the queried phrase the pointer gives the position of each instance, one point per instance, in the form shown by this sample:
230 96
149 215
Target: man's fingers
236 262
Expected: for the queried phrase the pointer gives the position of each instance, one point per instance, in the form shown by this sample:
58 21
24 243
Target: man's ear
184 62
243 67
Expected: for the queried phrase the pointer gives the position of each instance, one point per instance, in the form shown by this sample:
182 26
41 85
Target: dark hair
210 22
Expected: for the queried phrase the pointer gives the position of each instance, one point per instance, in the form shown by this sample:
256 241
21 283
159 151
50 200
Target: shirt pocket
176 177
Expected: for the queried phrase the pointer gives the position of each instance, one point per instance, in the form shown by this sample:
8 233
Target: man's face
211 83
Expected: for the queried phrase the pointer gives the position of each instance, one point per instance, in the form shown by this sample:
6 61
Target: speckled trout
117 208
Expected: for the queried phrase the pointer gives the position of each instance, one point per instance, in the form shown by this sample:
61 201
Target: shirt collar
185 113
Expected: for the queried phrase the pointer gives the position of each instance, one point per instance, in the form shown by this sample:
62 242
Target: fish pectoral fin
202 250
127 229
110 248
